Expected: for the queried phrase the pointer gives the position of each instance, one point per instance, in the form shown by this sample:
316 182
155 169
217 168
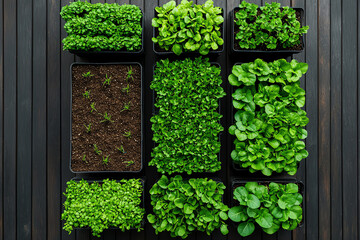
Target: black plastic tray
156 111
142 203
106 53
254 51
190 54
238 182
142 117
236 166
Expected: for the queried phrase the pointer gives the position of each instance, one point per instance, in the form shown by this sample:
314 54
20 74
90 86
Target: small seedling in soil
126 89
88 128
92 105
88 74
107 81
86 94
129 75
127 134
84 158
97 150
105 159
128 163
126 107
107 117
121 149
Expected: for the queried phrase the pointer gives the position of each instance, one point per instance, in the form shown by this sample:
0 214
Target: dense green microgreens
271 207
188 27
95 27
182 206
187 126
269 123
101 206
267 27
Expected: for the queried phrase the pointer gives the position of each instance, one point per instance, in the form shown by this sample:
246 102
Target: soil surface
108 136
263 47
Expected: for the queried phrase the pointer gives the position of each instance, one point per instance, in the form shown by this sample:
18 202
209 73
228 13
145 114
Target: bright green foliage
182 206
95 27
273 28
271 207
188 27
269 122
101 206
187 126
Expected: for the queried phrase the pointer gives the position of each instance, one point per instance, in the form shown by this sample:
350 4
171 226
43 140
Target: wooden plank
10 80
349 126
24 102
324 119
39 217
53 120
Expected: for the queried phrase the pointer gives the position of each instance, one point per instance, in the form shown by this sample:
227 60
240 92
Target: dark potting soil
263 47
108 136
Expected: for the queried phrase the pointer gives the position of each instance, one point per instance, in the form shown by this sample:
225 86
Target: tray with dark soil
106 117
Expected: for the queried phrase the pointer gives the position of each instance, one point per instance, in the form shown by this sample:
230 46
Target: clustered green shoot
105 205
97 150
129 163
121 149
107 118
84 158
105 159
107 80
127 134
187 126
129 74
92 106
269 122
86 94
183 206
88 127
126 107
272 207
87 74
126 89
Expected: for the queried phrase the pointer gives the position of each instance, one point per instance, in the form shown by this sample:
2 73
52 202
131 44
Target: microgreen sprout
106 159
129 75
88 74
126 107
88 127
121 149
84 158
126 89
107 80
127 134
86 94
128 163
97 150
92 105
107 117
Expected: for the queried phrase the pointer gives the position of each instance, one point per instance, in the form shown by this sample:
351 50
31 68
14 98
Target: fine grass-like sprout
121 149
126 107
129 75
128 163
127 134
92 105
88 127
97 150
106 159
107 81
87 75
84 158
86 94
126 89
107 117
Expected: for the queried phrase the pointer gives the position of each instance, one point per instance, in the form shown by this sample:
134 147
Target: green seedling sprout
126 89
126 107
128 163
97 150
92 105
107 117
121 149
88 74
127 134
107 81
88 127
84 158
129 75
106 159
86 94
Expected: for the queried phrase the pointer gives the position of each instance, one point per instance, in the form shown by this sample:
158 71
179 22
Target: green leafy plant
271 207
92 105
87 74
127 134
95 27
129 74
97 150
106 159
88 127
107 117
269 122
84 158
126 89
126 107
182 206
100 206
86 94
129 163
107 81
121 149
186 127
267 27
188 27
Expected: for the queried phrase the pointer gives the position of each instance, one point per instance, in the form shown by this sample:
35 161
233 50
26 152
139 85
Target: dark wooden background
34 103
